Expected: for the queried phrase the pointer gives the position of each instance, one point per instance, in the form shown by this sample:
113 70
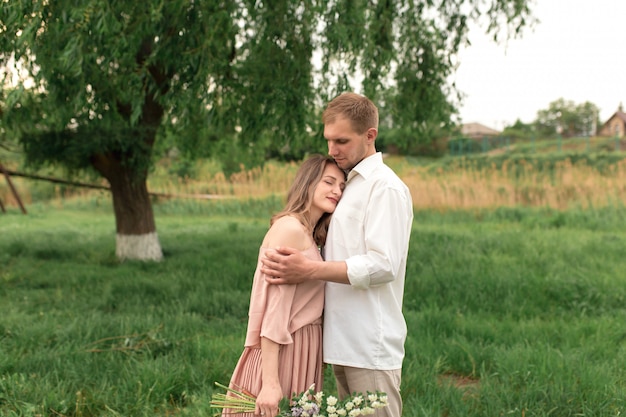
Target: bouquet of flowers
305 404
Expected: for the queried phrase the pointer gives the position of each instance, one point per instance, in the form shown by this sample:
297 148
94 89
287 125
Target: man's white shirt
370 230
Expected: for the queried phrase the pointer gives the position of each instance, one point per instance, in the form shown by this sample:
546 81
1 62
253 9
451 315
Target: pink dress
290 315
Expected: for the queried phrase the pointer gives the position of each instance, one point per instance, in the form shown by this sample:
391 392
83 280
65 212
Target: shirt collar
366 166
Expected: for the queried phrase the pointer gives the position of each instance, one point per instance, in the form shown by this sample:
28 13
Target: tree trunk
136 236
127 171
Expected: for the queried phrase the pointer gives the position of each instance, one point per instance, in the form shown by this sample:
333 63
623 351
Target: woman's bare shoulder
287 231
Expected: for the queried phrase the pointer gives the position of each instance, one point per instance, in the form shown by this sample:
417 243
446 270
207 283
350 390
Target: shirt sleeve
387 229
269 312
276 320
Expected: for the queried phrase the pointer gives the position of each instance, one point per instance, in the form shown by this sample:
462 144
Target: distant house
478 131
616 125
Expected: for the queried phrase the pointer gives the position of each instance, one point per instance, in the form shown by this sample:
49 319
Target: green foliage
425 140
519 130
100 83
567 118
106 73
524 305
103 77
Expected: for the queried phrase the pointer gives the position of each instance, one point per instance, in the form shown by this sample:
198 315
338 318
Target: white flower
315 404
368 411
319 396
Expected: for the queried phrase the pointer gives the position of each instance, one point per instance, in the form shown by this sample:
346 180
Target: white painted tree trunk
144 247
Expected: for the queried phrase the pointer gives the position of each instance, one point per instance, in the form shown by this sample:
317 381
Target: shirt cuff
358 275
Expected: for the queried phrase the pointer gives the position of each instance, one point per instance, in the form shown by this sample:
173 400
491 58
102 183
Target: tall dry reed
461 186
272 178
466 186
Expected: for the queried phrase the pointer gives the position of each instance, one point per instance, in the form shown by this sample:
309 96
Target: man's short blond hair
358 109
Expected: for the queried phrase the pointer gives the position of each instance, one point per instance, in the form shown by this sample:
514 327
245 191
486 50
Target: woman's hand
268 399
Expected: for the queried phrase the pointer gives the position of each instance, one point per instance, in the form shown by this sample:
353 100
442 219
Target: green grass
526 304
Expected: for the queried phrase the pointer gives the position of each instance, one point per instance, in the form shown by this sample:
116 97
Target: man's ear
372 133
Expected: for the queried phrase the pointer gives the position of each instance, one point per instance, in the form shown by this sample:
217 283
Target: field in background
553 180
466 183
511 311
530 146
514 297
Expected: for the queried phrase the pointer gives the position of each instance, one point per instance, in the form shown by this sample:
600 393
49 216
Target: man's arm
289 266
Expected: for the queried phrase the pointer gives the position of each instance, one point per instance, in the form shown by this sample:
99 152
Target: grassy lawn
514 311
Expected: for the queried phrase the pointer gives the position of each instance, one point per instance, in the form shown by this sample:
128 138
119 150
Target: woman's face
329 189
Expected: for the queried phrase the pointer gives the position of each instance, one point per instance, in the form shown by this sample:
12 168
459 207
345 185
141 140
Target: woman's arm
271 392
285 231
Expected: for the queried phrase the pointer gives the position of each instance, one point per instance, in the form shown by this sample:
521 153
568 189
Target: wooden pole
57 180
104 187
13 190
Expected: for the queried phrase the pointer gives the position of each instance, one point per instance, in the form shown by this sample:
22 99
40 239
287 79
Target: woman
283 352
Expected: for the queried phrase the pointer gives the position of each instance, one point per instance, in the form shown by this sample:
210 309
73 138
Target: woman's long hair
300 197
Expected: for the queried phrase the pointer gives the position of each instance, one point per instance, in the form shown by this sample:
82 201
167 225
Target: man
366 252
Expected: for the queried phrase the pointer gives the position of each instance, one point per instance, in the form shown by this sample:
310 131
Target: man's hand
286 266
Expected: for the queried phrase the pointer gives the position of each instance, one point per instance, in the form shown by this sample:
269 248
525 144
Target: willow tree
100 81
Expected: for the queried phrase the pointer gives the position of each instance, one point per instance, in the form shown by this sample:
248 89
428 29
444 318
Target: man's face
345 145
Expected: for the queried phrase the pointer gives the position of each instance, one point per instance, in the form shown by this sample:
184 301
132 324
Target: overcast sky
577 52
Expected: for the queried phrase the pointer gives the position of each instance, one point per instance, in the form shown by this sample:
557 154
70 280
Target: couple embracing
338 250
